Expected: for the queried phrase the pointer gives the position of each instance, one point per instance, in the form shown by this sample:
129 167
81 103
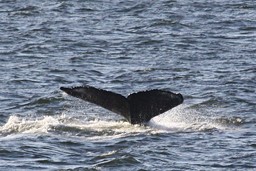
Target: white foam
44 125
17 124
179 119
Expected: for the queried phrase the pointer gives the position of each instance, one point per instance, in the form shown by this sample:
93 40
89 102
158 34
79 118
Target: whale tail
137 108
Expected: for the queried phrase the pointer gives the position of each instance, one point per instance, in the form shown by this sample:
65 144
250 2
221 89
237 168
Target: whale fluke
137 108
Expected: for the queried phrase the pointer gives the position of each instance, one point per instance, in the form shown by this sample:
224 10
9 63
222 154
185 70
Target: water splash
17 124
183 118
69 126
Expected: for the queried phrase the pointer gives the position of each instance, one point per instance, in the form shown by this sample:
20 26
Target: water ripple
204 50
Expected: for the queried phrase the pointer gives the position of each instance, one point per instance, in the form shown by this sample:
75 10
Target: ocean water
205 50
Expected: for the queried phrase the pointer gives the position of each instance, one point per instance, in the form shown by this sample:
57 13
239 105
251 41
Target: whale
136 108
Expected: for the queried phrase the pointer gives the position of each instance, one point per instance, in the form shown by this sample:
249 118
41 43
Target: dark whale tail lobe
137 108
106 99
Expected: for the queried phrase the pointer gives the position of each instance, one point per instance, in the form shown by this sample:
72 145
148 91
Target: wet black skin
137 108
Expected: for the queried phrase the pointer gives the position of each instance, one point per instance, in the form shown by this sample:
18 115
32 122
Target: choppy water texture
202 49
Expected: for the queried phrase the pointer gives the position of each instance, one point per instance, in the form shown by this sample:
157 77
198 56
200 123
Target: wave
70 126
179 119
17 124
